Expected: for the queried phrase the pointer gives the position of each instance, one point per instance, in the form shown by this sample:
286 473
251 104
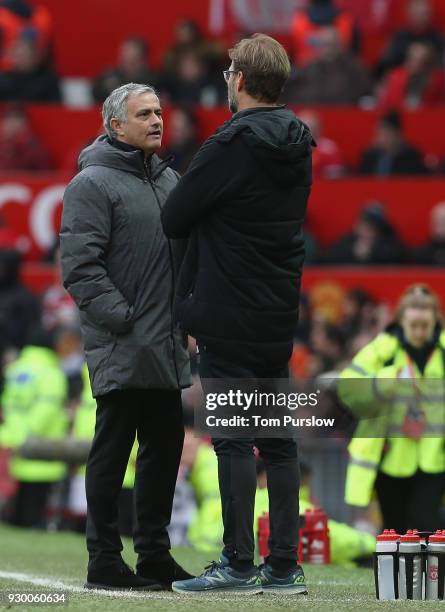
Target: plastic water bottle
263 535
386 565
435 560
424 535
317 531
410 566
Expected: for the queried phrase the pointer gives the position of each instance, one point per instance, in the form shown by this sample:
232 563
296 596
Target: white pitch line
54 583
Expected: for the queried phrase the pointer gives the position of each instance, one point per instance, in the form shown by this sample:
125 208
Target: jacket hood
279 141
103 153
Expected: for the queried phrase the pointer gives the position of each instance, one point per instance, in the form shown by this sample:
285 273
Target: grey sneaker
219 578
293 584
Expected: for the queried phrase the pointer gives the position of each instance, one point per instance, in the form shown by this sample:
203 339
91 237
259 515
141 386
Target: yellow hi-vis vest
375 392
34 405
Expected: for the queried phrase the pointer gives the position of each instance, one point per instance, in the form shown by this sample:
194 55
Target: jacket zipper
172 294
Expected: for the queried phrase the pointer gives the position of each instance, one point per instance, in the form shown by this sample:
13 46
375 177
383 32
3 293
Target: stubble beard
233 104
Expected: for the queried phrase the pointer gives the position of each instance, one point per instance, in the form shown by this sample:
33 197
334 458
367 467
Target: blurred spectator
390 153
327 343
132 67
432 253
19 309
195 464
29 79
11 239
34 406
72 358
358 313
335 77
182 138
419 28
21 19
192 82
188 37
371 16
308 25
373 241
59 312
20 149
327 162
58 307
418 83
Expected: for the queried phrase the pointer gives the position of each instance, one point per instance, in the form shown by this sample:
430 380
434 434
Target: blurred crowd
329 69
373 240
325 45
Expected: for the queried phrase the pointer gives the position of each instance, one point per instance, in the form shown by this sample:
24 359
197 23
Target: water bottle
424 535
435 565
410 566
317 531
263 535
385 569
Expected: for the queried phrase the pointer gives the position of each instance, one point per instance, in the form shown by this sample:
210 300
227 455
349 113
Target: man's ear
116 126
241 82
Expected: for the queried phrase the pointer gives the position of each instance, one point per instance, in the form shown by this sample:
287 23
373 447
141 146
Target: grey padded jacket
120 268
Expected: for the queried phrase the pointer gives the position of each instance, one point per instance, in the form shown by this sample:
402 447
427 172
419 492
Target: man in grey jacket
120 269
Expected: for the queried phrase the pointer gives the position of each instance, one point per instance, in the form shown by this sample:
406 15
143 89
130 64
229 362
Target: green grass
61 558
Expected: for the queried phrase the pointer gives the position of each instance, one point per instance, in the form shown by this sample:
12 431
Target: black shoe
163 572
119 578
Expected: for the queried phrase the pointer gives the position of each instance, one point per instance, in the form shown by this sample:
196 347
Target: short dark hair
264 64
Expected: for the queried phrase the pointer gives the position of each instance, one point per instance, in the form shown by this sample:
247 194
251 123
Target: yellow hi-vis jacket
84 423
380 387
34 405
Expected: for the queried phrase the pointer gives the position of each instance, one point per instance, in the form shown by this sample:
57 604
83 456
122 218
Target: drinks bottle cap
439 536
388 535
410 536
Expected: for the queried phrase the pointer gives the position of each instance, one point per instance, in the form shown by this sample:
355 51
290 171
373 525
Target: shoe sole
285 590
220 591
105 587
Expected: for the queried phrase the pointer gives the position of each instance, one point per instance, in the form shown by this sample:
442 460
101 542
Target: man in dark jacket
20 310
391 154
243 203
119 268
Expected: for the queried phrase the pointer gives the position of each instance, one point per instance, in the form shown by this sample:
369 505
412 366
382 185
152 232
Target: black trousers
411 503
238 481
126 513
155 416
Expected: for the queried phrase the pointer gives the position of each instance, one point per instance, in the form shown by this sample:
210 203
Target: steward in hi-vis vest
396 386
33 404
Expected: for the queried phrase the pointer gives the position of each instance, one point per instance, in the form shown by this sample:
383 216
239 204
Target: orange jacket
305 35
13 26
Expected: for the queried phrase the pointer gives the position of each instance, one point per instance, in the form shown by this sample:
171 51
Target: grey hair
115 106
